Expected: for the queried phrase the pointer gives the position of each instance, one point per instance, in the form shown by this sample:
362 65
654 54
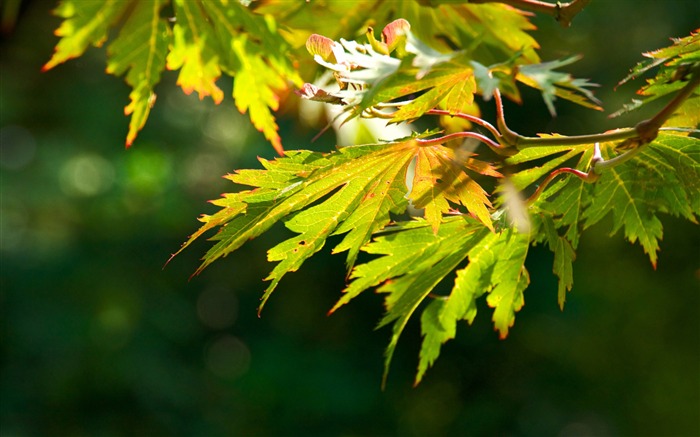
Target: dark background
99 340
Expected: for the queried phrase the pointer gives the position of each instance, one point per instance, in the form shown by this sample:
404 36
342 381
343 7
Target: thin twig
586 177
562 12
476 120
466 134
514 139
647 130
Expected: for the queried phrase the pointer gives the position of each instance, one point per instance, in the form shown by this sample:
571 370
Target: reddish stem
443 139
476 120
586 177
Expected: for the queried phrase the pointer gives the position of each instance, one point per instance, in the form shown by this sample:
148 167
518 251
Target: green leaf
675 63
357 188
509 279
415 259
555 84
84 23
664 177
140 49
565 198
440 323
564 256
256 55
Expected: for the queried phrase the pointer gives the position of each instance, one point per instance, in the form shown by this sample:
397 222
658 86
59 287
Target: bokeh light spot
86 175
217 307
228 357
148 171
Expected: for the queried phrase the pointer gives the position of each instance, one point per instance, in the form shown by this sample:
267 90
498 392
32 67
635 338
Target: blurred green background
99 340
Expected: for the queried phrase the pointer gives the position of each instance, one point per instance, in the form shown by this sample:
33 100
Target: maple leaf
414 261
663 177
553 84
565 198
564 256
84 23
261 68
195 51
140 49
495 268
675 63
207 38
440 178
350 192
450 82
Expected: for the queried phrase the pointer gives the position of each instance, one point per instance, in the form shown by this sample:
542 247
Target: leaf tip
322 46
395 32
277 144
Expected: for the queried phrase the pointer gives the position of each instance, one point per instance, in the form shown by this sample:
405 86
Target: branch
465 134
562 12
644 132
510 138
647 130
476 120
589 177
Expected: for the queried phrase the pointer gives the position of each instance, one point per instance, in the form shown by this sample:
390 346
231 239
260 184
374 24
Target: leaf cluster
201 39
480 236
429 208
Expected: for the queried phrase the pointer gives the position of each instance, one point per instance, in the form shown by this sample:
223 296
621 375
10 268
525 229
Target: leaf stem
562 12
514 139
476 120
464 134
586 177
601 165
647 130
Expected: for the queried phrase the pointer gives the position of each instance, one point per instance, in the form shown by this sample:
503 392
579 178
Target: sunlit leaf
675 64
664 177
256 55
84 23
495 267
195 51
555 84
440 179
140 49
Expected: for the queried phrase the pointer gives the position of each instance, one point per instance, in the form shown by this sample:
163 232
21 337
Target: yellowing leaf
257 56
452 83
140 49
195 50
85 23
256 89
440 178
